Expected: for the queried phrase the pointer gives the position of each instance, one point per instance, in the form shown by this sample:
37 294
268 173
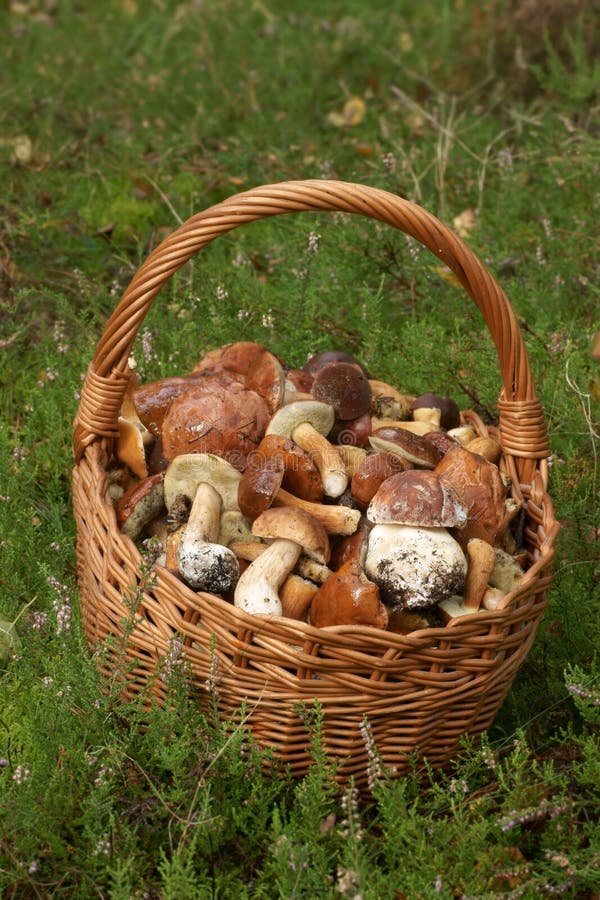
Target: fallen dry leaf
447 274
464 222
351 115
596 349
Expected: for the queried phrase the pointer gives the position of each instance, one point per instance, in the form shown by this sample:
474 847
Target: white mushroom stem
204 564
454 608
481 558
257 589
306 567
327 460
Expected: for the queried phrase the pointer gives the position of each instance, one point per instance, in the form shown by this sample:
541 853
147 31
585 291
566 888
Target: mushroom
301 476
367 479
130 448
486 447
266 377
250 549
291 531
205 564
479 484
235 358
260 488
228 421
411 555
481 559
307 422
143 502
348 598
296 594
345 387
411 447
352 432
210 483
152 400
435 408
507 574
388 402
318 360
464 434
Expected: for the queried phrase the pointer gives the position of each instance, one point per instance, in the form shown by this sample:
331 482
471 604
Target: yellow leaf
351 115
464 222
447 274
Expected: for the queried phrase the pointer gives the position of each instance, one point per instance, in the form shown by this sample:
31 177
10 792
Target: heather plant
115 127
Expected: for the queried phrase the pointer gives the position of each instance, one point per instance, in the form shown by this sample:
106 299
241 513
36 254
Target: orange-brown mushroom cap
348 598
229 422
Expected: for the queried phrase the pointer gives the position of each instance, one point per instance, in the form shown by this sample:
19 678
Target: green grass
119 121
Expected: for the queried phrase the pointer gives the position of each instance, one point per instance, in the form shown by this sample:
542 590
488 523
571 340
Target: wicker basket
419 693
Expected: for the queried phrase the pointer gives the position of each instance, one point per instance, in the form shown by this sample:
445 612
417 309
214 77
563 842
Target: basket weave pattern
420 692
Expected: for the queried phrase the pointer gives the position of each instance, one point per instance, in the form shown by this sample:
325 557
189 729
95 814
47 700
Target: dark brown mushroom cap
348 598
417 497
352 432
318 360
345 387
370 475
449 411
412 447
480 486
301 476
229 422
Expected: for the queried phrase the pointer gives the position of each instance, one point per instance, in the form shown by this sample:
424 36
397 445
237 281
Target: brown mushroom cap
301 476
318 360
373 471
345 387
236 358
143 502
417 497
449 411
265 376
259 486
229 422
412 447
441 441
294 525
480 486
348 598
352 432
152 400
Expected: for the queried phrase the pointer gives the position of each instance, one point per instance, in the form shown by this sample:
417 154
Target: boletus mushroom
291 532
307 422
480 485
411 555
227 421
348 598
210 484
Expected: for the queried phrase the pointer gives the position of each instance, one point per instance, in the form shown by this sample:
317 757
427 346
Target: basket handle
521 422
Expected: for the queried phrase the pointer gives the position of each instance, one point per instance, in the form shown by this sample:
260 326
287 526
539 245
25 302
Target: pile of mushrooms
316 493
